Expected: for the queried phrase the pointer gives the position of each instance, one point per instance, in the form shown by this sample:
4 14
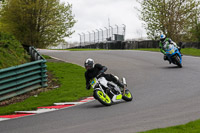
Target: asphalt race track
164 96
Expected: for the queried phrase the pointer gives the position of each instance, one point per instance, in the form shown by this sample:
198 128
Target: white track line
68 103
38 111
3 119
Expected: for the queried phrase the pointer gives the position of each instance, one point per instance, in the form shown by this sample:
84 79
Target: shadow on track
99 105
171 67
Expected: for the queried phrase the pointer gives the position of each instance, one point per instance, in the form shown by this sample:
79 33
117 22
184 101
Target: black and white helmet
162 37
89 63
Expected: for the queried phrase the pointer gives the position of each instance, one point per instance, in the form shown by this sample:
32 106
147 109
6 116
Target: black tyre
127 96
105 100
178 61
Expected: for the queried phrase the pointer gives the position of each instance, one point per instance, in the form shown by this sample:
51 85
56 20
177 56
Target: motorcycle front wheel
127 96
103 99
178 61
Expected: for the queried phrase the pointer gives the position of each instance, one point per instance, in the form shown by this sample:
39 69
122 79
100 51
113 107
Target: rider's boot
166 58
169 61
121 85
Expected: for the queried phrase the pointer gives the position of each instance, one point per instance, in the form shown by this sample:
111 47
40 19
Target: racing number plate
93 82
171 51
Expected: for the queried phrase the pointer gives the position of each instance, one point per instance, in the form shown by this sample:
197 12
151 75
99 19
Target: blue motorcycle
173 54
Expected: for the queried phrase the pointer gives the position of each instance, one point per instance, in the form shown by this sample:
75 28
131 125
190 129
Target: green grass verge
148 49
191 51
184 51
46 57
191 127
85 49
72 88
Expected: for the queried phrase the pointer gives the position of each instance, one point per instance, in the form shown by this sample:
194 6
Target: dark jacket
91 73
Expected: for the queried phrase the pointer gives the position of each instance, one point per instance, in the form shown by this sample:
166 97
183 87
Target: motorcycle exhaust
124 81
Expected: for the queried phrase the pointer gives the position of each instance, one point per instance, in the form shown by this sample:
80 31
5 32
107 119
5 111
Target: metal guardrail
34 54
23 78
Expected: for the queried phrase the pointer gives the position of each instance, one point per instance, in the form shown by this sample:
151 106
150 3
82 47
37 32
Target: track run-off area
164 95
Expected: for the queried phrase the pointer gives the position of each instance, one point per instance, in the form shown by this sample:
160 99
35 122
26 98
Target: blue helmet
162 37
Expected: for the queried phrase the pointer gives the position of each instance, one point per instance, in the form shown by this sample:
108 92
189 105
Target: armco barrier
23 78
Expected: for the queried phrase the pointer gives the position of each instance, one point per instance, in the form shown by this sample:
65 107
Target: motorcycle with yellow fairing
107 92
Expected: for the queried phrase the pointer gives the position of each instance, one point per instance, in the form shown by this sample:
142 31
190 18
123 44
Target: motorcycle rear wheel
103 99
127 96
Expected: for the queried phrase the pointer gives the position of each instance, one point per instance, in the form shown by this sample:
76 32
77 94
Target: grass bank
12 52
72 88
191 127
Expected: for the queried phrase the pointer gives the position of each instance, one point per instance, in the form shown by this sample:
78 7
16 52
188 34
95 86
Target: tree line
39 23
43 23
178 19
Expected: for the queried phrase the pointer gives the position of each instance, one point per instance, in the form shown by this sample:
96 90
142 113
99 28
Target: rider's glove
102 71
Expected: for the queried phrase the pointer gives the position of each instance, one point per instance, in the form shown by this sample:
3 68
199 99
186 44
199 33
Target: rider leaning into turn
94 69
164 40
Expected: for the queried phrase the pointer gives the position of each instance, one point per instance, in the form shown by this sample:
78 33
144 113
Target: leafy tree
40 23
1 1
174 18
195 33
